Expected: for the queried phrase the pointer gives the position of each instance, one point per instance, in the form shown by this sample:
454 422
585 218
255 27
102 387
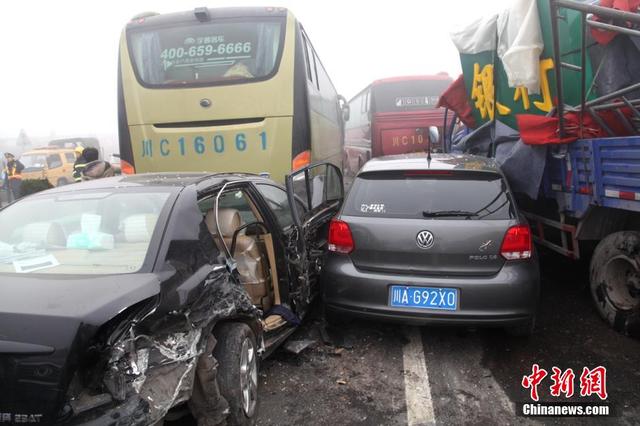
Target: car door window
237 199
317 186
324 185
54 161
278 202
71 157
234 199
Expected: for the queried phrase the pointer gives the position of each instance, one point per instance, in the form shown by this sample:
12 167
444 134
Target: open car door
315 194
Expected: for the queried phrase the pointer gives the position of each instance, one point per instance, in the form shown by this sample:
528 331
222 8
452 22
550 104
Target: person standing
88 155
79 164
13 172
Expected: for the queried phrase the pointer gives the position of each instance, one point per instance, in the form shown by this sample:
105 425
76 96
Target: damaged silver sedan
129 300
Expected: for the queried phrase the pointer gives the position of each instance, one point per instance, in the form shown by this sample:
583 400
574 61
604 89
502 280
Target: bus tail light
301 160
517 243
340 238
126 168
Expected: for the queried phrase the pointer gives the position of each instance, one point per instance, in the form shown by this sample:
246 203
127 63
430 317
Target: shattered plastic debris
297 346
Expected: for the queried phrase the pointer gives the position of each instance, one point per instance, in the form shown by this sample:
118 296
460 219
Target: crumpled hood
45 326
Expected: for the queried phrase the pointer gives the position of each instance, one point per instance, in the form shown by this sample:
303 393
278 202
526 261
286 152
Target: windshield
79 233
206 52
408 95
33 161
466 196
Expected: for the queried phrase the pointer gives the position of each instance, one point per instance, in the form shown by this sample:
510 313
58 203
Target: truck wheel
62 182
237 355
615 280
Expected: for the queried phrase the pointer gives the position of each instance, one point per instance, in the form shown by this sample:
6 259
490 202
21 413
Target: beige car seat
249 258
50 233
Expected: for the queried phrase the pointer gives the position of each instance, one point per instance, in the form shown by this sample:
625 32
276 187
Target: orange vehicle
51 163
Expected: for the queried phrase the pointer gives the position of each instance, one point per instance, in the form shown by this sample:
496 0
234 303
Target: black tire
228 352
62 182
614 277
525 329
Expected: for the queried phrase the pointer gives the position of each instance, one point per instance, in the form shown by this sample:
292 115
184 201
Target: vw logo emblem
205 103
425 239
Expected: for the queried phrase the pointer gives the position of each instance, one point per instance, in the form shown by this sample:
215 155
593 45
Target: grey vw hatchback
436 241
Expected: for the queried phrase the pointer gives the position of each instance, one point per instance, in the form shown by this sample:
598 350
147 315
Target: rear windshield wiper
448 213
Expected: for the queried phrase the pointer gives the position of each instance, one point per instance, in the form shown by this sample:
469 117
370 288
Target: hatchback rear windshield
219 52
446 196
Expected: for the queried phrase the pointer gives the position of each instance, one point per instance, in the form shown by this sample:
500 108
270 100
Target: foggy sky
59 58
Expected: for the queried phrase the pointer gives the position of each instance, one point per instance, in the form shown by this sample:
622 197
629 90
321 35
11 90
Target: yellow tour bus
231 89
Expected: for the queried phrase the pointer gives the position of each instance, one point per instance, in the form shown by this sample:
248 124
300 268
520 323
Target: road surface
373 373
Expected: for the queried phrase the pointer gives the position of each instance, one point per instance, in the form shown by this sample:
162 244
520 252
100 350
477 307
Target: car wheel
523 330
236 353
615 280
62 182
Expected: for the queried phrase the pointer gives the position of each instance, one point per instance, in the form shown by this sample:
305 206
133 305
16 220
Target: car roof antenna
420 131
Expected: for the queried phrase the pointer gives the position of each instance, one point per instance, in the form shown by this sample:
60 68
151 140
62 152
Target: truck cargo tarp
520 44
479 36
499 52
523 165
605 36
455 98
618 65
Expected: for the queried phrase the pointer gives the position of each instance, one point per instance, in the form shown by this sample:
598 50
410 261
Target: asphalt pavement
372 373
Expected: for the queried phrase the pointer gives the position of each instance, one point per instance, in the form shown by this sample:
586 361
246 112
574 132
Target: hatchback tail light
340 239
517 243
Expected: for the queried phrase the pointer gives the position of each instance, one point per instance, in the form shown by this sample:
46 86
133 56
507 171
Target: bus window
315 67
312 72
409 95
212 52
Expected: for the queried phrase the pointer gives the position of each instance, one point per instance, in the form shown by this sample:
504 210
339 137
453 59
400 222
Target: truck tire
615 280
236 353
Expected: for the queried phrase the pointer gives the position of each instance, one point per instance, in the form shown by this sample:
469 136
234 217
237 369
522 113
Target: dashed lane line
416 381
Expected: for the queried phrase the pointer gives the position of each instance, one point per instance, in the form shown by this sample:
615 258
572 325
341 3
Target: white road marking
416 381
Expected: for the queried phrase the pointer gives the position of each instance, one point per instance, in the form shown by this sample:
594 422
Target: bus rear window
408 95
206 53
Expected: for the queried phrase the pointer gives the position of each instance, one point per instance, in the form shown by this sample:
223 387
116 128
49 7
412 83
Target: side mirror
344 107
346 112
434 135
